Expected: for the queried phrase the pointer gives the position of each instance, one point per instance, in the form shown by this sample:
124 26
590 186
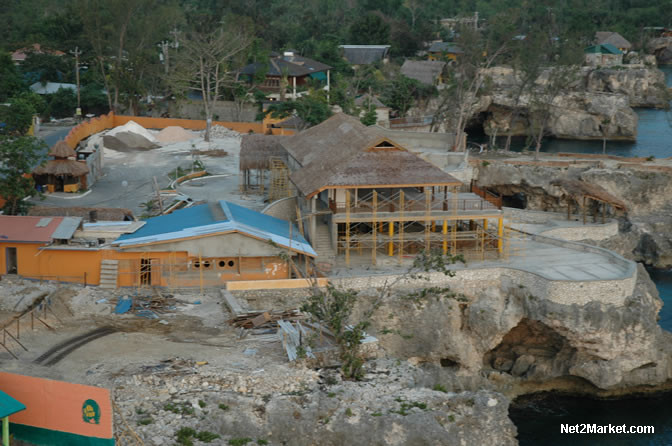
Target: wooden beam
445 237
500 235
428 206
347 227
401 225
375 227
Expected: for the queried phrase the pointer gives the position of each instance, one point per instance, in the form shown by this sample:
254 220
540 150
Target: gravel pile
218 131
173 134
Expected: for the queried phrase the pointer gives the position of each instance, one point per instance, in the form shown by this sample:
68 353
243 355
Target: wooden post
500 234
401 225
347 227
375 225
390 243
428 203
482 231
200 271
445 238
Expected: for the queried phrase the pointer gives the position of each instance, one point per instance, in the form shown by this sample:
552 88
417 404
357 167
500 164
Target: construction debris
148 307
218 131
264 319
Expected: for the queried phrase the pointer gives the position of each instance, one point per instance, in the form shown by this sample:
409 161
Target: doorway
10 259
145 271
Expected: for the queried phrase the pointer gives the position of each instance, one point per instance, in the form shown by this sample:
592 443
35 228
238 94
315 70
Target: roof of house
342 151
257 150
364 54
21 54
62 167
613 38
217 218
294 66
50 87
363 101
424 71
62 150
445 47
27 229
9 406
603 48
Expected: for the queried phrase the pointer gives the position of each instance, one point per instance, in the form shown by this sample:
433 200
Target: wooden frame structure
401 222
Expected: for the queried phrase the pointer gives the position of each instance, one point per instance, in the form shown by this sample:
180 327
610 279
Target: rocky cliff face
645 233
506 338
662 49
597 103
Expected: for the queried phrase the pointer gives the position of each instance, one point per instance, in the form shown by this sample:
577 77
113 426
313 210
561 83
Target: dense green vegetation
123 60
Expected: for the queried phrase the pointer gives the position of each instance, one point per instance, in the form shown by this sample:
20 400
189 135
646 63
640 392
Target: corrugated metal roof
26 229
424 71
67 228
51 87
200 220
364 54
445 47
603 48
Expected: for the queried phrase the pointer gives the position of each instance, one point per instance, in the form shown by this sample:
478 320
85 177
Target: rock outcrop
645 233
512 338
662 48
596 104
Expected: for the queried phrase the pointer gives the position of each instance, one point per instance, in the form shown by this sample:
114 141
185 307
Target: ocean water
654 136
539 417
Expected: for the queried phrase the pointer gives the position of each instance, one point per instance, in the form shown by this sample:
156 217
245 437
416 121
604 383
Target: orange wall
80 266
57 405
110 120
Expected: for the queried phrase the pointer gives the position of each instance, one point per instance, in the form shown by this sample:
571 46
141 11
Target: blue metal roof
9 405
201 220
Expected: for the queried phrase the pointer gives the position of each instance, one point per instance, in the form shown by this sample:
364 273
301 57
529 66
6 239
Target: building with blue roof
214 242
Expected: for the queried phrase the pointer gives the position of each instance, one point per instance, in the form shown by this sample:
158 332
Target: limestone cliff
596 104
645 233
511 338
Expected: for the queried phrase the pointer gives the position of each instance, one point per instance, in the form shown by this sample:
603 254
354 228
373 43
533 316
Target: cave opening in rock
517 200
528 346
449 362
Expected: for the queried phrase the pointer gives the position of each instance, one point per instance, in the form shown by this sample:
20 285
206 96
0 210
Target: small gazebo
62 173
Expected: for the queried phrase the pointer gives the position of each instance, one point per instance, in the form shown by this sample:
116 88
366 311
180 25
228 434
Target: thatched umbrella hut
257 152
62 173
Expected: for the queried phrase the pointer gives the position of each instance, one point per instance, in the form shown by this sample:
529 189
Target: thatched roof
424 71
613 38
342 152
103 214
363 101
62 168
256 150
62 150
578 189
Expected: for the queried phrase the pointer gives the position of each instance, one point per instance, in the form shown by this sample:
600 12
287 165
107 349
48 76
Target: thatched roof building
62 167
578 189
62 150
256 150
426 72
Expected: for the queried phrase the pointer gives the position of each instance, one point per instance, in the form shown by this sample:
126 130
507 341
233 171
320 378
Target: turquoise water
538 417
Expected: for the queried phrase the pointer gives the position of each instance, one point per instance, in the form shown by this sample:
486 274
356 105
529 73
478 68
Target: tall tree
370 29
207 61
18 157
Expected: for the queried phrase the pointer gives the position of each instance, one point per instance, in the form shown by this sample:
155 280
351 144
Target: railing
487 195
426 202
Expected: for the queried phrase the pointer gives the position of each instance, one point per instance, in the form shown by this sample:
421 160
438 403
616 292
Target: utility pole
164 45
77 53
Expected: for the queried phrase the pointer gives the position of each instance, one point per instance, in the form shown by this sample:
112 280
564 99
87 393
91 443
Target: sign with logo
91 412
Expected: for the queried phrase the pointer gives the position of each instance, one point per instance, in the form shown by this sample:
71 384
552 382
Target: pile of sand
173 134
130 136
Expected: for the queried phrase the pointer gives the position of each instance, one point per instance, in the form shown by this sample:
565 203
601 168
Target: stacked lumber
264 319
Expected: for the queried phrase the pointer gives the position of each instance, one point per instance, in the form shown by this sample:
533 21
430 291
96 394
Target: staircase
108 274
322 245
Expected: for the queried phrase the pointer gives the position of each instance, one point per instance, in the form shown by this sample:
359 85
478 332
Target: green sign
91 412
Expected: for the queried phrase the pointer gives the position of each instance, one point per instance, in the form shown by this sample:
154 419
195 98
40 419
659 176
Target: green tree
45 67
370 29
17 117
62 104
401 93
93 99
37 101
312 108
18 157
11 82
369 117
